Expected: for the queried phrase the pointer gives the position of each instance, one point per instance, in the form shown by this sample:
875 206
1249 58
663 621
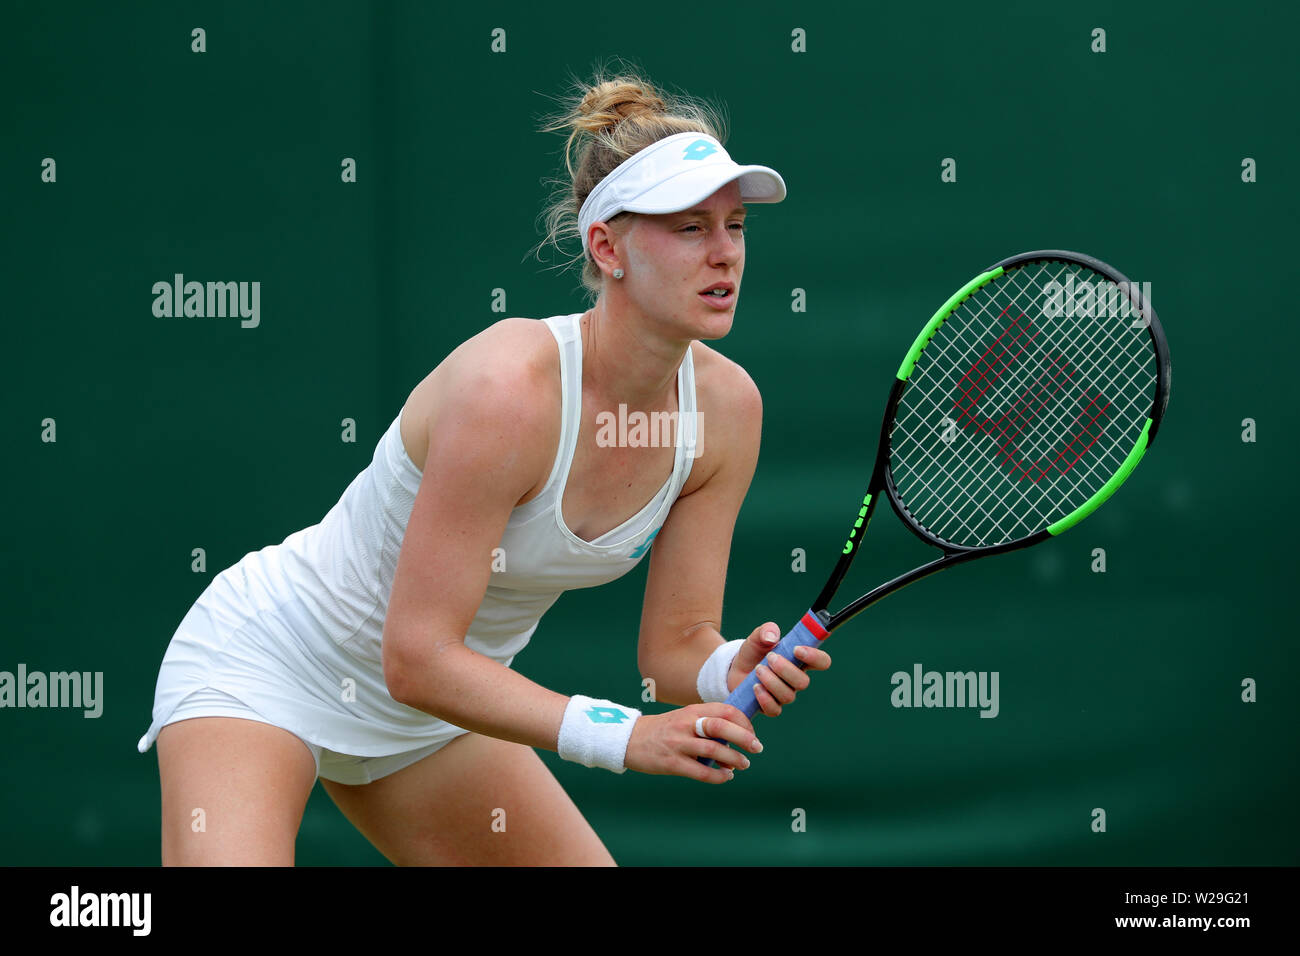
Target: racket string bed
1066 395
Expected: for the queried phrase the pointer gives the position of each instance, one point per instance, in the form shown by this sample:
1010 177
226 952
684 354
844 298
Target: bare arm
490 438
681 618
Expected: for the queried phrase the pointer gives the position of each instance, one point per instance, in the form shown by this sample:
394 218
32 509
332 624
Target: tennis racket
1025 402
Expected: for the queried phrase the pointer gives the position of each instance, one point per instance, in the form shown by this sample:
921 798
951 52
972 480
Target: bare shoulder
723 387
731 410
508 375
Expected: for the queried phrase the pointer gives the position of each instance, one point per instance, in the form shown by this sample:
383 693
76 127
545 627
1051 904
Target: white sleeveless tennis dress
291 634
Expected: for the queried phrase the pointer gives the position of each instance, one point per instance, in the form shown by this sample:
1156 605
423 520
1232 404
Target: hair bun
609 103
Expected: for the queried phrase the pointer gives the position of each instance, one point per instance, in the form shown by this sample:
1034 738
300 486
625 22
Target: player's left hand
778 679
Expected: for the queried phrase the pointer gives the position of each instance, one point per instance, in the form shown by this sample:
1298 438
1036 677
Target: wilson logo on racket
1035 401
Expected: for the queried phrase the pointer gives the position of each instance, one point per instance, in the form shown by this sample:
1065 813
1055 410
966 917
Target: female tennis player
373 650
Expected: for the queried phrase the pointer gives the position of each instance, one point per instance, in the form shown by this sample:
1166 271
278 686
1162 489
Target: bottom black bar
334 904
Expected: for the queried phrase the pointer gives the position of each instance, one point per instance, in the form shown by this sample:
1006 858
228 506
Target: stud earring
618 273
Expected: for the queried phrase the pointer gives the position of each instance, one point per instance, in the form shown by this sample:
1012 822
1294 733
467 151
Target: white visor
673 174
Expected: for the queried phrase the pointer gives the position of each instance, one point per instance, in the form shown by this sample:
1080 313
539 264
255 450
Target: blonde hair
610 119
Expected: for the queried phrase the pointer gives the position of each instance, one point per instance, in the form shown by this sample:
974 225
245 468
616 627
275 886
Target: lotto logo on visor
699 149
606 715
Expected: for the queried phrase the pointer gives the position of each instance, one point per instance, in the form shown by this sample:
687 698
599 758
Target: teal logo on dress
606 715
645 545
699 149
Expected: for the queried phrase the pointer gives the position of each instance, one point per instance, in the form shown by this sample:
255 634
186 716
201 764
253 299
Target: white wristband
595 732
712 682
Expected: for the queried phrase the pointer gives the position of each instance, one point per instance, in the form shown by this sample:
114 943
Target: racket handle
807 633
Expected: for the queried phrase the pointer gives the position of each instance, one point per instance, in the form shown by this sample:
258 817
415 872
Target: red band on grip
811 622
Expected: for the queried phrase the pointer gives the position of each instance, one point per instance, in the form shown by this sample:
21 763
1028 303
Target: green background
1119 690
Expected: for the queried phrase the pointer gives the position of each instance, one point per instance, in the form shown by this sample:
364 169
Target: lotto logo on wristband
595 732
606 715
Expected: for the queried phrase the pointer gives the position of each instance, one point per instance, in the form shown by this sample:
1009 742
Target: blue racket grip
809 632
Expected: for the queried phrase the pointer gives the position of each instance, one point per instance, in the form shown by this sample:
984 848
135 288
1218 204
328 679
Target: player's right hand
668 744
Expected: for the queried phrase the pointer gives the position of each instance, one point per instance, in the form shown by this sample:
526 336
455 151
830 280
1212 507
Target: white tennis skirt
276 665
